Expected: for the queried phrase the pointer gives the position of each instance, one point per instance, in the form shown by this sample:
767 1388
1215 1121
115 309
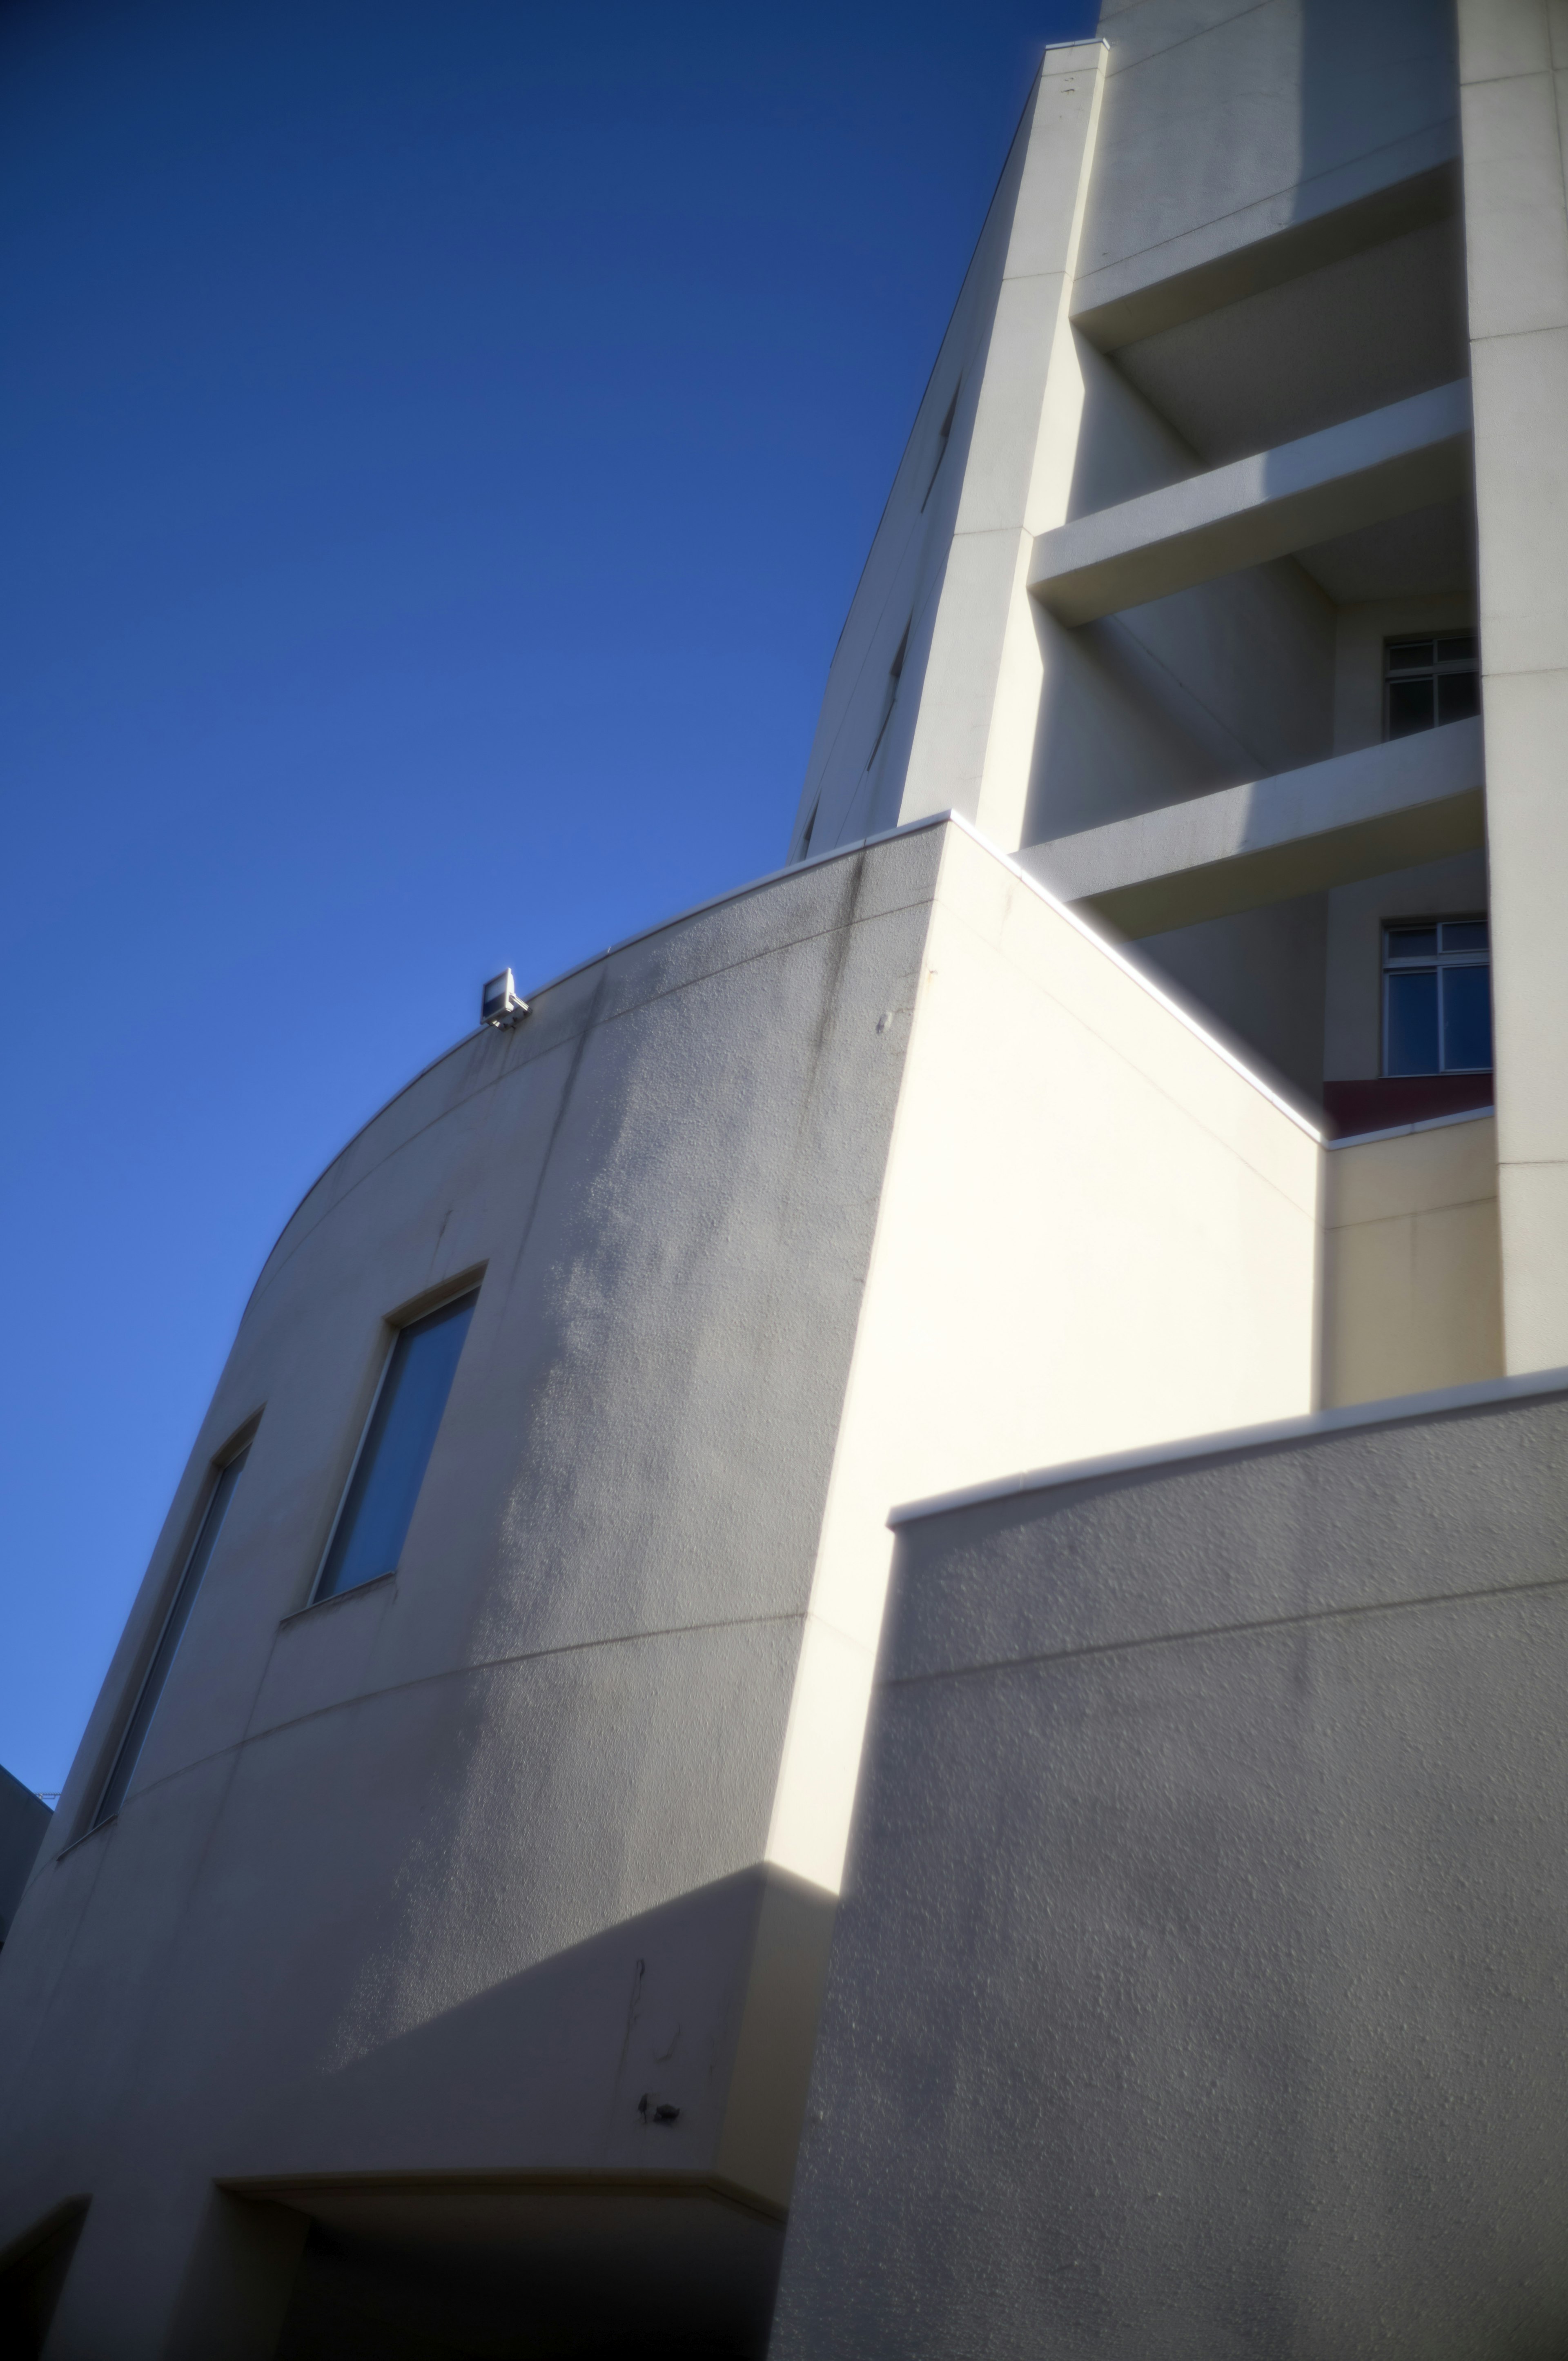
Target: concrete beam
1359 473
1385 807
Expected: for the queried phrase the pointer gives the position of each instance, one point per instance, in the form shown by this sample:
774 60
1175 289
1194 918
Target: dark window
943 433
890 695
1426 682
400 1435
168 1641
1437 997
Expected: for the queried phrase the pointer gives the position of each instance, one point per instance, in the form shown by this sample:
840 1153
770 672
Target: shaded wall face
25 1820
1261 975
1212 1815
1320 99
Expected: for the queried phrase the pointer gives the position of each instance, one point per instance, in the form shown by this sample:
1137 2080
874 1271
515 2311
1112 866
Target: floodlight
501 1005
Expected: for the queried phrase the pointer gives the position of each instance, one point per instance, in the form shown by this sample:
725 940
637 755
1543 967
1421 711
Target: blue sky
441 443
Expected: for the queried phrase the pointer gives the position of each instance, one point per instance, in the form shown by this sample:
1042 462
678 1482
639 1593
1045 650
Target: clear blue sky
440 445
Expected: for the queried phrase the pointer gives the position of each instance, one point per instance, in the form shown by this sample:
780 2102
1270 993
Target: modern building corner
860 1656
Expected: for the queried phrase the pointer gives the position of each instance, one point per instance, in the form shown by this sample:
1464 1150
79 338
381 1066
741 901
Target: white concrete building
428 1957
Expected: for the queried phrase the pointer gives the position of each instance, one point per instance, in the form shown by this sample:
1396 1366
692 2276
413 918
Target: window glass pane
1458 696
1461 649
1412 942
1466 1018
1410 656
397 1448
1411 707
173 1630
1464 934
1412 1023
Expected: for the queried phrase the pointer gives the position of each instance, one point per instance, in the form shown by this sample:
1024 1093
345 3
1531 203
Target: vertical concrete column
979 700
1514 99
177 2273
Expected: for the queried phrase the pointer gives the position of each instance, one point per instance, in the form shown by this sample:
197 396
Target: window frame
235 1451
394 1325
1453 667
1435 961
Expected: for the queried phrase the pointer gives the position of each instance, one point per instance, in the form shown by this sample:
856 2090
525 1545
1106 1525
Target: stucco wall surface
512 1804
948 551
1324 101
1201 1988
1097 1231
1412 1276
836 1190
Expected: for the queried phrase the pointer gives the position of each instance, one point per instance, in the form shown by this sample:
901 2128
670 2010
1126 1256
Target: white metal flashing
1388 1412
818 861
1401 1130
1074 918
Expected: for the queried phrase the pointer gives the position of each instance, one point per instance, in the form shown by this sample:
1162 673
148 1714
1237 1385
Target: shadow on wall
601 2147
1402 78
32 2272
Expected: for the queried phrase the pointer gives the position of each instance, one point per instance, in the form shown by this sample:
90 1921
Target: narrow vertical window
944 431
400 1436
890 695
168 1639
1437 998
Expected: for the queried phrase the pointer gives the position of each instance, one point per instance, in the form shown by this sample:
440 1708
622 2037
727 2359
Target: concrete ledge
1388 807
1390 1412
1361 472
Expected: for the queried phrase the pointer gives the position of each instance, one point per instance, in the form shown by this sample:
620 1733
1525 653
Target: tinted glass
1462 648
169 1641
1412 942
1412 1022
1467 1018
1458 696
1411 707
1410 656
1464 934
398 1443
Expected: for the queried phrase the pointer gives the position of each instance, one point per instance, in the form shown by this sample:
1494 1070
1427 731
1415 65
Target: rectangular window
373 1522
168 1641
1437 997
1426 682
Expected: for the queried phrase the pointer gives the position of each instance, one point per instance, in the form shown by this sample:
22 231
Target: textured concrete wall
946 574
447 1873
1202 1986
1096 1231
1323 102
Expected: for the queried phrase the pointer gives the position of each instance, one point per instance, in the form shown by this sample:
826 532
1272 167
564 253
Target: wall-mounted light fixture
500 1005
